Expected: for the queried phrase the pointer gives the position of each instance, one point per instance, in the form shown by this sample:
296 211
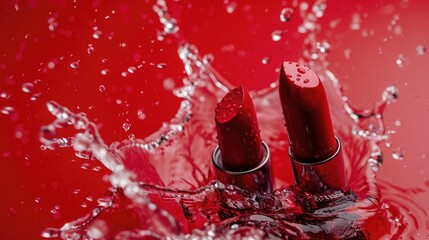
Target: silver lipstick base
325 180
257 179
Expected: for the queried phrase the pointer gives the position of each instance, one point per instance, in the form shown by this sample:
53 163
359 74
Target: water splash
189 205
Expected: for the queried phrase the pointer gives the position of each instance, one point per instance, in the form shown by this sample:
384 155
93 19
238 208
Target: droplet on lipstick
306 81
301 70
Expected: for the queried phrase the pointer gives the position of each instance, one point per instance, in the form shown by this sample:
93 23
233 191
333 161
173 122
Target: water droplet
398 153
132 69
51 65
161 65
401 60
74 65
126 126
140 114
265 60
421 49
90 49
319 8
306 80
131 136
286 14
122 45
104 72
27 87
347 53
102 88
84 205
208 58
277 35
97 34
301 70
397 123
230 7
390 94
7 110
168 84
37 200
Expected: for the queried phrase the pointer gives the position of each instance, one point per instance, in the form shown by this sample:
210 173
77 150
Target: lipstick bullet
241 158
315 151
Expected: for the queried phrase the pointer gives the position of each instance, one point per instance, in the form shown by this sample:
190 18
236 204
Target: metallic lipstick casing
241 157
257 179
325 180
315 151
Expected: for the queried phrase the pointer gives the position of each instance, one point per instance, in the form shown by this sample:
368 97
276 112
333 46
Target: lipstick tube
241 157
257 179
325 179
315 151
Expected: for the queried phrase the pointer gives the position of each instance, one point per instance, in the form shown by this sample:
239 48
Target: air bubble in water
126 126
286 14
74 65
421 49
276 35
398 153
27 87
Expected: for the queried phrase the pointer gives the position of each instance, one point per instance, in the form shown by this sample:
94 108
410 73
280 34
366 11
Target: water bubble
161 65
140 114
421 49
124 74
74 65
301 70
276 35
306 80
126 126
27 87
37 200
7 110
102 88
168 84
390 94
286 14
265 60
324 46
398 153
84 205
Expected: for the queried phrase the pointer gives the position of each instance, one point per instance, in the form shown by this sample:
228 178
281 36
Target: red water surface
41 39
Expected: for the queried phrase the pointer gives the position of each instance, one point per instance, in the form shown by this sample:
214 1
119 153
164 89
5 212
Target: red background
33 182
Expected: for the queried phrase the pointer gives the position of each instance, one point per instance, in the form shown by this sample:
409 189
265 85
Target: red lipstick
314 149
241 158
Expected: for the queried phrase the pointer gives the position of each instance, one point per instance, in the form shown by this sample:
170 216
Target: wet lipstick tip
238 131
298 75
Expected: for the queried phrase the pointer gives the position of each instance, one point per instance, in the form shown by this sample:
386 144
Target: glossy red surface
306 111
238 131
34 183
